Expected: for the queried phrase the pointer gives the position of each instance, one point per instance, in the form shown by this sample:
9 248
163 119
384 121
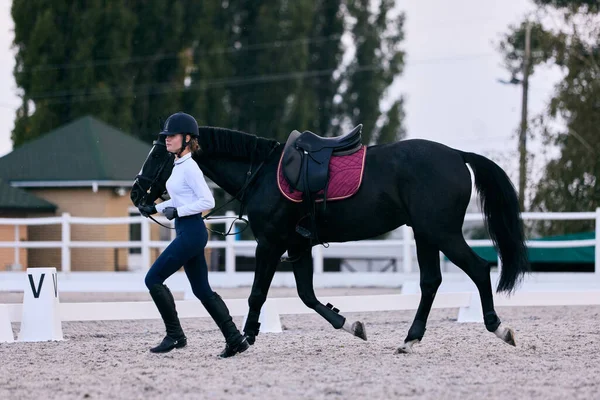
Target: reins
240 195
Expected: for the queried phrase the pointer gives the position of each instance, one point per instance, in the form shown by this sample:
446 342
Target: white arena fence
540 289
401 252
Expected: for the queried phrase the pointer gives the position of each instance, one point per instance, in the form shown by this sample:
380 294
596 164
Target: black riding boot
235 342
163 298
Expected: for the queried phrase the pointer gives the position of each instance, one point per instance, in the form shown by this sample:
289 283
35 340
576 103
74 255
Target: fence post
145 230
597 247
17 262
66 244
407 237
318 259
230 243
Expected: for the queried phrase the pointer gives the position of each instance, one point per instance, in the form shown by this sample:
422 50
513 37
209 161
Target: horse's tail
500 207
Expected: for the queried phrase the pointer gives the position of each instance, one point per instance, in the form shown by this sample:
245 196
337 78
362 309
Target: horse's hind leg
458 251
430 280
303 272
267 258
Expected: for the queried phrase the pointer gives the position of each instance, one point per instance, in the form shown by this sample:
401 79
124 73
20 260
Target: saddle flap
317 169
292 165
291 162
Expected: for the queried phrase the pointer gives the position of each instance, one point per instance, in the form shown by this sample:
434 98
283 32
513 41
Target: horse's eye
154 155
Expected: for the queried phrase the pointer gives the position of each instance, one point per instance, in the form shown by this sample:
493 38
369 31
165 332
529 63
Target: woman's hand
170 213
147 210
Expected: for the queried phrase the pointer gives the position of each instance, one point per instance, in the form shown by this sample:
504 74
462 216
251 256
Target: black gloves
147 210
170 213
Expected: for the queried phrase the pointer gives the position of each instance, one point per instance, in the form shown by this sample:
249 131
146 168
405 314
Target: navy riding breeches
186 250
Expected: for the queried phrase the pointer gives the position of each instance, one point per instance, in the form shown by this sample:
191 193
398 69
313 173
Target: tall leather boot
165 302
235 342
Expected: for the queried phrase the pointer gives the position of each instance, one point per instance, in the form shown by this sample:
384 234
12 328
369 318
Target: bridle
152 182
240 195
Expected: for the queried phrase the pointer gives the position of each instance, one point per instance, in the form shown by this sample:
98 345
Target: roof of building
17 199
84 150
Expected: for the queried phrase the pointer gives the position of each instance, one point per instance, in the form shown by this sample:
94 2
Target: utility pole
523 130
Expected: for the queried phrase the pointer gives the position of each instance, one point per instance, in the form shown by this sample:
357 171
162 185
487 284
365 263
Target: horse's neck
229 175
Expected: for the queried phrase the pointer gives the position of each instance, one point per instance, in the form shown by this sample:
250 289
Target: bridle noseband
152 181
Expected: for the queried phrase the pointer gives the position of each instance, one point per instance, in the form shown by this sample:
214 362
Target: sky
450 81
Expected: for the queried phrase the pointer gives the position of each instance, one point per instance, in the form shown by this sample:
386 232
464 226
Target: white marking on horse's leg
506 334
407 347
500 332
348 327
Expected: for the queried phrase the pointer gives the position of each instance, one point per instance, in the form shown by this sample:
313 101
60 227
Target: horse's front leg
267 258
303 273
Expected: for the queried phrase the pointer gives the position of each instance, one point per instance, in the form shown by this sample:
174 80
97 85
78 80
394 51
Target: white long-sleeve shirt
188 189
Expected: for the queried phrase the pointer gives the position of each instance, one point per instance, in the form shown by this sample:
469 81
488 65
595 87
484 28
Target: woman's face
174 142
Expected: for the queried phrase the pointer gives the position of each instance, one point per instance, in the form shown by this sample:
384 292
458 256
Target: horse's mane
221 141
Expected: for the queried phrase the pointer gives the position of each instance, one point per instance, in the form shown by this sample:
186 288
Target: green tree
123 62
266 67
269 65
378 61
325 53
55 45
283 69
159 59
570 182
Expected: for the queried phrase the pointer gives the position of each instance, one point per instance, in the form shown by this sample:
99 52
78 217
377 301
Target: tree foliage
266 67
572 120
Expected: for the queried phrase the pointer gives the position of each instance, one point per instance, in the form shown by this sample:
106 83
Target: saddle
305 165
306 157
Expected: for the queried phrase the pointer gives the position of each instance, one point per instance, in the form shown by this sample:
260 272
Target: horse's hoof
358 329
407 347
506 334
510 337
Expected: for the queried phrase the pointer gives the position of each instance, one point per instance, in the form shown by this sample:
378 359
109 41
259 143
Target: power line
153 88
279 44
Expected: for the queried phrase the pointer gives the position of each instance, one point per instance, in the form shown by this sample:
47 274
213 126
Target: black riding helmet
180 123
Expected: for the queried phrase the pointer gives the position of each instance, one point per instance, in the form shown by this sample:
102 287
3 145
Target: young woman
190 196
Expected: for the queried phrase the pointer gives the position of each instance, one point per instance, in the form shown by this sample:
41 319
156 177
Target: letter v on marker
36 293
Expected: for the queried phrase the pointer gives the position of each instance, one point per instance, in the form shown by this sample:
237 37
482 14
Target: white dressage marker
473 312
41 319
269 319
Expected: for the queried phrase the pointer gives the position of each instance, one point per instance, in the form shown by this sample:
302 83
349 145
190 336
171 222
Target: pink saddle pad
345 177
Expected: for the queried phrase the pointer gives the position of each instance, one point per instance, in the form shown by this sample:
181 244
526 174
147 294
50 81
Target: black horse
420 183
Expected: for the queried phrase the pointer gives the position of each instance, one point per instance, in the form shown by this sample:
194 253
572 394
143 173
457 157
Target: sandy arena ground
557 357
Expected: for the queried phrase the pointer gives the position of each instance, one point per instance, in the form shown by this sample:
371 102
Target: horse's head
150 183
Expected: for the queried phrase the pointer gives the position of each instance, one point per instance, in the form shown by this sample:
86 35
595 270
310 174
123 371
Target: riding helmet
180 123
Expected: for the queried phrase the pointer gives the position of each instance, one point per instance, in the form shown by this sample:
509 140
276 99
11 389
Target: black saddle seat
311 142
